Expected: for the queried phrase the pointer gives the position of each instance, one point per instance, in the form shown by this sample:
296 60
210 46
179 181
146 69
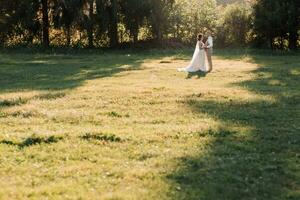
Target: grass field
127 125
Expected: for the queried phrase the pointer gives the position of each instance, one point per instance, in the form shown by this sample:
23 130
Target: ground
127 125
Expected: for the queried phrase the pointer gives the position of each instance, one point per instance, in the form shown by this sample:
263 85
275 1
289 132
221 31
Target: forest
273 24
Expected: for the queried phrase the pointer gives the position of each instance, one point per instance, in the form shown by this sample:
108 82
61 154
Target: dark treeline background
111 23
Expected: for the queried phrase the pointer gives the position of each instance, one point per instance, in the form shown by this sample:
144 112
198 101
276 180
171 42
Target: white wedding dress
198 61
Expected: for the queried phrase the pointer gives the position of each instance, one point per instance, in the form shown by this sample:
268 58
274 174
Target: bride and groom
202 53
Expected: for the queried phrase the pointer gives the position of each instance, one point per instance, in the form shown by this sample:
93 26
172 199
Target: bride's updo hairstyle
199 36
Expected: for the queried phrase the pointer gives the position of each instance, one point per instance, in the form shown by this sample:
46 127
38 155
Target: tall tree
236 24
275 20
19 20
197 17
293 10
135 12
67 15
160 13
90 22
45 25
113 23
7 8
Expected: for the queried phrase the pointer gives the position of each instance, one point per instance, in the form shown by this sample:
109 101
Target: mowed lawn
127 125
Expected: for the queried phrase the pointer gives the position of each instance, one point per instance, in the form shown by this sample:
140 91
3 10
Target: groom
208 49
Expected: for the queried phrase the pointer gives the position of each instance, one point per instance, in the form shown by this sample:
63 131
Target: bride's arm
200 44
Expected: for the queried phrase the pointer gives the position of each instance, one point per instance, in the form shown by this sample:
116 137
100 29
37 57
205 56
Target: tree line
110 23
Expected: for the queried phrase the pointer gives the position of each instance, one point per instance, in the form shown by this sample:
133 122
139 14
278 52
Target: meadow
127 125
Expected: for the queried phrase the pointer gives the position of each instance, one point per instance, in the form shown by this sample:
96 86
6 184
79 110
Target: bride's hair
199 36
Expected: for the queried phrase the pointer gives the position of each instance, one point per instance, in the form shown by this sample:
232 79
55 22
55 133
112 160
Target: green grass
127 125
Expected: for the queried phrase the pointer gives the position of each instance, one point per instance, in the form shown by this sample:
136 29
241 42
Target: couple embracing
202 53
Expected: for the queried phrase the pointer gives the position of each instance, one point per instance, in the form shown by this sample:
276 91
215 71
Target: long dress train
198 61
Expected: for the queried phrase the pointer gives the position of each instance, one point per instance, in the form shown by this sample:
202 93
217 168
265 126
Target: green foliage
104 23
234 26
19 20
194 17
276 21
159 18
67 15
135 13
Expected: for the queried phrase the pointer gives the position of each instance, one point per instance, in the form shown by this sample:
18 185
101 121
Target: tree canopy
104 23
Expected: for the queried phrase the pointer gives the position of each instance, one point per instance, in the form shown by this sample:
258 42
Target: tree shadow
31 141
260 162
57 72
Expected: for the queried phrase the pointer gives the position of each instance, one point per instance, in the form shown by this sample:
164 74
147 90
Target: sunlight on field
129 126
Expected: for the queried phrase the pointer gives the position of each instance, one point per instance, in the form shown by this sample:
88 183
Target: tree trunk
90 36
135 37
159 34
113 29
135 32
68 36
293 7
293 37
45 23
271 42
121 36
90 27
178 32
282 42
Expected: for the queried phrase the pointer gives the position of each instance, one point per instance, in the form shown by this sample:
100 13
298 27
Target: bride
198 60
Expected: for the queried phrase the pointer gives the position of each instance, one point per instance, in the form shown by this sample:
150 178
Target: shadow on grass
57 72
33 140
261 162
